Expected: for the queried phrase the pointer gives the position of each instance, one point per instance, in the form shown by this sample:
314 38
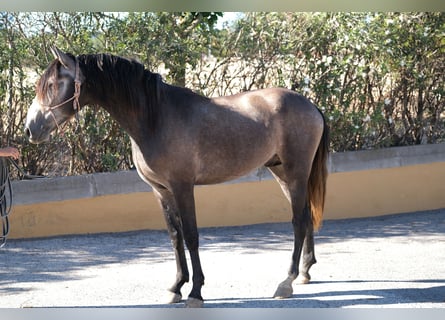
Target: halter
74 98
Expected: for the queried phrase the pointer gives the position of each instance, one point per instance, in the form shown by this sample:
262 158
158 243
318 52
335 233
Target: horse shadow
345 298
333 299
327 299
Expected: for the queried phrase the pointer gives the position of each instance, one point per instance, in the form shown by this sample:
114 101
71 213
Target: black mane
116 79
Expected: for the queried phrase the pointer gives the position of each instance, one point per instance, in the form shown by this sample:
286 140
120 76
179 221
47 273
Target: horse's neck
101 93
150 106
117 109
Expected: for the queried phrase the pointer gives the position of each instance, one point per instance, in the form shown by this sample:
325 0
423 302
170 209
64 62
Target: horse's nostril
27 132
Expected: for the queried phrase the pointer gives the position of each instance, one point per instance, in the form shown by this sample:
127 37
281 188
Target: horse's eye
50 91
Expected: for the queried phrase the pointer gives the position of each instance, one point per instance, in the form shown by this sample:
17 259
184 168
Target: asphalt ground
389 261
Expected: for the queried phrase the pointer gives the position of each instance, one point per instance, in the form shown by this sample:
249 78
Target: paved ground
392 261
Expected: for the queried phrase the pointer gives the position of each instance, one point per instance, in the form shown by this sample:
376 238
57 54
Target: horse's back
280 108
274 100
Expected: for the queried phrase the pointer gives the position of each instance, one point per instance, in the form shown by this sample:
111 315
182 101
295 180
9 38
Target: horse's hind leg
295 190
308 254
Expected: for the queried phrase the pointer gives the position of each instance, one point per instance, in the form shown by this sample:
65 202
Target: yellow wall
350 194
386 191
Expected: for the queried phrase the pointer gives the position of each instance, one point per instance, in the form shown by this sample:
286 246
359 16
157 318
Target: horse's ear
63 58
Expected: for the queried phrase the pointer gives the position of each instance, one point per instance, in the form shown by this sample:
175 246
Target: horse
180 139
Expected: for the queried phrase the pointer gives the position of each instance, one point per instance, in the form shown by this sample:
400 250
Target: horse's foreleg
174 228
186 206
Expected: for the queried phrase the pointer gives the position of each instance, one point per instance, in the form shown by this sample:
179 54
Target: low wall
360 184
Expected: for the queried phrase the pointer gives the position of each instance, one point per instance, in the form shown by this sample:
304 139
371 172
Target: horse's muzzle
32 137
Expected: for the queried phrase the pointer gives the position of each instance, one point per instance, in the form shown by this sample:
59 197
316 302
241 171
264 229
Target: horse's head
57 97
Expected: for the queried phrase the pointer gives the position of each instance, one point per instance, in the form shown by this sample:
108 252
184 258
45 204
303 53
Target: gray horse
181 139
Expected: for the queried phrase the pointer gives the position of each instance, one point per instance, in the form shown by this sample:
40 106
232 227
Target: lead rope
5 199
6 193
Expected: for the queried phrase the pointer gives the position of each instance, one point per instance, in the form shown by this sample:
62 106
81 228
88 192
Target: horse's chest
146 169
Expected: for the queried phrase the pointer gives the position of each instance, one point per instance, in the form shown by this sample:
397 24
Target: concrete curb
386 158
125 182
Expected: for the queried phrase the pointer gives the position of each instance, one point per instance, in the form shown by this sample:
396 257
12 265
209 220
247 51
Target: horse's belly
222 170
215 179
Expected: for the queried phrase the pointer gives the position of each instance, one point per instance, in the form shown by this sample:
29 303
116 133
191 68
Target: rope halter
74 98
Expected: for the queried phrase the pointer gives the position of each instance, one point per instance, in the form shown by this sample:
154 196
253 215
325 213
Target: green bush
378 77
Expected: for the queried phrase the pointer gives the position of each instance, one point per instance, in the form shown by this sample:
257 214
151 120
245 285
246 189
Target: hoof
284 290
194 303
174 297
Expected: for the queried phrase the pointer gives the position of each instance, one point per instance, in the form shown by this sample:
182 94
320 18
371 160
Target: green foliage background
378 77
